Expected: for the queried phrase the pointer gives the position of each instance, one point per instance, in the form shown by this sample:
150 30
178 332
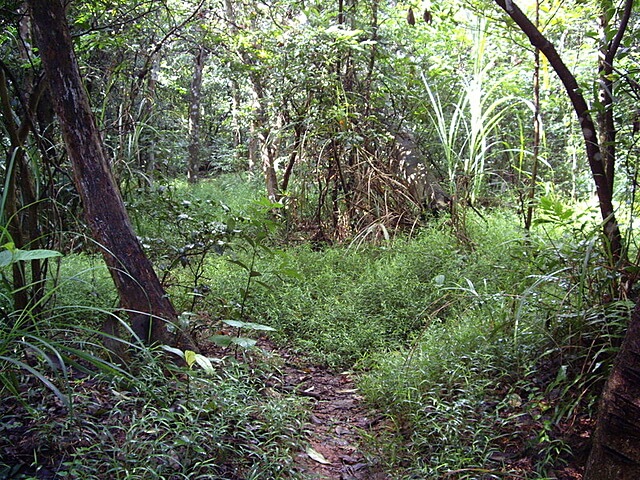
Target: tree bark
139 289
21 202
594 155
606 57
193 167
537 130
615 451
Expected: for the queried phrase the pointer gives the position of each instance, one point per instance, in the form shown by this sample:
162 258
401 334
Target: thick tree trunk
615 452
138 286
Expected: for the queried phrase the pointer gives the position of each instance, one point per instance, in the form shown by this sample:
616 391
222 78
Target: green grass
349 303
469 350
155 425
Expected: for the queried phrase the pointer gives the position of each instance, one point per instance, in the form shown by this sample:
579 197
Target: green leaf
226 341
6 258
244 342
12 255
268 204
240 264
190 357
291 272
63 398
249 325
204 363
221 340
174 350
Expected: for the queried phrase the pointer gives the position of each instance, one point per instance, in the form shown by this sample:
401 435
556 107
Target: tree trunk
537 131
615 452
193 168
139 289
21 201
606 57
594 156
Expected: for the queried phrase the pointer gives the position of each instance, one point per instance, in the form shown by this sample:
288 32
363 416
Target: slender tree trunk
594 156
269 171
604 112
296 146
536 130
21 200
193 167
137 283
235 119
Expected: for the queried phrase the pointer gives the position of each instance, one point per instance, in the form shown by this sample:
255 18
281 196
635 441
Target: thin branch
617 39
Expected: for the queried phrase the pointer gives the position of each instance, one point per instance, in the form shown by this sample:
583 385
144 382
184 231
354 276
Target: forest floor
337 420
338 424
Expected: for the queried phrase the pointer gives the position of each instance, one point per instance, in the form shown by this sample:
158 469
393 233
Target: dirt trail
337 419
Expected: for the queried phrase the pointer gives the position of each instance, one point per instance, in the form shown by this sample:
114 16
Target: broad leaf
10 256
221 340
177 351
249 325
190 357
244 342
204 363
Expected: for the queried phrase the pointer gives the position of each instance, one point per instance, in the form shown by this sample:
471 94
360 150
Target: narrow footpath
337 419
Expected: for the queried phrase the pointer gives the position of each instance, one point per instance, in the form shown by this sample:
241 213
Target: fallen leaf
348 390
317 456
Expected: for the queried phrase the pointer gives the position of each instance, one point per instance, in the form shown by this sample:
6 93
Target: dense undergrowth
484 355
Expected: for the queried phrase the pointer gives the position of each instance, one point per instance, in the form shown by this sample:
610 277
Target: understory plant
157 424
71 410
506 381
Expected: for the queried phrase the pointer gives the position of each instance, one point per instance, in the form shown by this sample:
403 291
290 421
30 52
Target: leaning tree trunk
615 452
139 289
594 155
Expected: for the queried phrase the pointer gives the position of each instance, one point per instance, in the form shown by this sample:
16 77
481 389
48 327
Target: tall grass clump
466 129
